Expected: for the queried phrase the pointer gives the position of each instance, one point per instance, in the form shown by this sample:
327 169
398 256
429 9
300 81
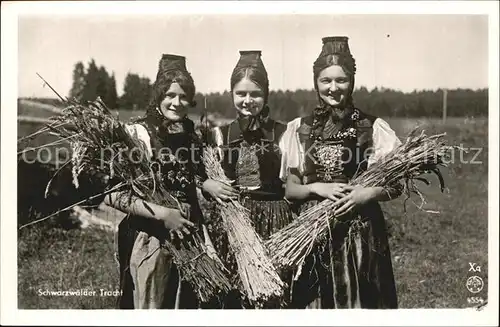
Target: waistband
312 178
264 195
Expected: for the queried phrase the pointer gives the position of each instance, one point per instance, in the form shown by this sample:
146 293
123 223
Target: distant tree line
93 82
285 105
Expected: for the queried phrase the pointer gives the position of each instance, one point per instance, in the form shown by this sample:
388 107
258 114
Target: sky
404 52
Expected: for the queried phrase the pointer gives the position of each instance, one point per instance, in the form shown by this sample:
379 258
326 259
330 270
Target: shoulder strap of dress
232 132
365 119
364 127
308 120
279 129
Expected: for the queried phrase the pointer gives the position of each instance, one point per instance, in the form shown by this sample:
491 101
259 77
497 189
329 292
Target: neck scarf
252 123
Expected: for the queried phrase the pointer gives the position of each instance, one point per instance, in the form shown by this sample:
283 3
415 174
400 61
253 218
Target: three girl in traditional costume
275 167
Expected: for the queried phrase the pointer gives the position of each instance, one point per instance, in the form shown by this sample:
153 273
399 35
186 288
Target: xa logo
474 267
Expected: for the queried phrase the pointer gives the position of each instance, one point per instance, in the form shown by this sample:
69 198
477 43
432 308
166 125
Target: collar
238 131
168 127
327 113
254 122
324 121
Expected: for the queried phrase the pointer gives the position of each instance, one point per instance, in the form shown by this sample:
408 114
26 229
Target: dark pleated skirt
353 269
267 218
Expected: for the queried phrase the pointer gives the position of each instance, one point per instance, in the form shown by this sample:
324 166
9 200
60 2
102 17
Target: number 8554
475 300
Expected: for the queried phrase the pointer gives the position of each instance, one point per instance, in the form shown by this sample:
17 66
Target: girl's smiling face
248 97
334 86
175 105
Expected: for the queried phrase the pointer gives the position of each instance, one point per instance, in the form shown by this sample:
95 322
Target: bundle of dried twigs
261 282
419 155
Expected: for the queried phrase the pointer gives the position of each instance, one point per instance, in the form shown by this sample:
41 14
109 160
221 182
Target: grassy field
52 259
431 251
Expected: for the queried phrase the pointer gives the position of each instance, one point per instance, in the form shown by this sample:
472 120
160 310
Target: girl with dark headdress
321 153
149 277
251 158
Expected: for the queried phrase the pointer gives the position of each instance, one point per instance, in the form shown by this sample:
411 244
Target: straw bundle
419 155
261 282
102 143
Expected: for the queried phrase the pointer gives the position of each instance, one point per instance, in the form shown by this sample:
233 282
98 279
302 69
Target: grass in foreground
431 252
52 259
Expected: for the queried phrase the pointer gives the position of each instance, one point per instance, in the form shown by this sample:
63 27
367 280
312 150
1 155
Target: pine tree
136 92
102 84
145 92
130 91
90 92
78 86
111 94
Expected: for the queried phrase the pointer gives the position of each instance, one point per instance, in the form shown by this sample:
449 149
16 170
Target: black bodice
177 158
340 154
252 158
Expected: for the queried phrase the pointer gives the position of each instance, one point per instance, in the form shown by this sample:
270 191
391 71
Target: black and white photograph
270 157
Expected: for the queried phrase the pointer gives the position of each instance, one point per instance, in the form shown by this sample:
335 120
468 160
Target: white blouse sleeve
292 152
219 141
140 132
384 140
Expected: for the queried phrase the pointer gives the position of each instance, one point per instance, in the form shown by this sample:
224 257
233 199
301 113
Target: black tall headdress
169 63
250 58
335 45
